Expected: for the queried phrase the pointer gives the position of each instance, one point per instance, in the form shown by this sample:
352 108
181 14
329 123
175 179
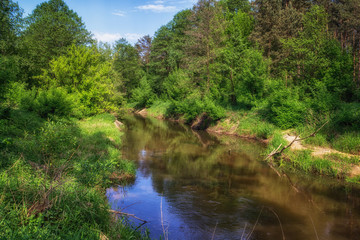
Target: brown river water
192 185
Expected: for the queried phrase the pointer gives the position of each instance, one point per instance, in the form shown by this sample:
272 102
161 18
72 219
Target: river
192 185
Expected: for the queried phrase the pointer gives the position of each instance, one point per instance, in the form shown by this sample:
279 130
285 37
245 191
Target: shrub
53 102
347 117
264 130
143 95
285 110
194 105
178 85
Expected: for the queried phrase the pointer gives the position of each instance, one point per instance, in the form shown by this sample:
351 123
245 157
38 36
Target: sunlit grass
53 175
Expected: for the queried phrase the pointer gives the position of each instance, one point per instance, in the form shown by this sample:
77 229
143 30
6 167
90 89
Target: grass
247 124
53 175
348 142
330 136
159 108
333 165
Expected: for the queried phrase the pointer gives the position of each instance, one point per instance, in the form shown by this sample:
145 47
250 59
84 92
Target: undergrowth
53 175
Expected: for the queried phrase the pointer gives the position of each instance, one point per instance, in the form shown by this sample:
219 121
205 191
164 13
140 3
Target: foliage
82 73
193 106
143 95
9 71
127 64
285 110
11 22
178 85
50 29
47 188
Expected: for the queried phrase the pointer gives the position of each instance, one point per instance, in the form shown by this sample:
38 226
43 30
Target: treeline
289 59
293 60
51 65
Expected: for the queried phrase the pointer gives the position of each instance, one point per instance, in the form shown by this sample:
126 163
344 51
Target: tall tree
143 46
239 26
168 49
10 22
51 29
206 37
276 20
126 63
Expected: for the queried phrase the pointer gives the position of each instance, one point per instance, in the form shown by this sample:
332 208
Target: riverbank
53 175
337 156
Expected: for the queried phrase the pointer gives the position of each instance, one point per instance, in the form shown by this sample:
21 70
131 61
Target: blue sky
110 20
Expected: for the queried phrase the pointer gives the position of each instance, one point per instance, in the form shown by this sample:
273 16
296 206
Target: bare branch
127 214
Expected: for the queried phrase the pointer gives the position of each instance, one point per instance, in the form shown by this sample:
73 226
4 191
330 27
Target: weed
52 175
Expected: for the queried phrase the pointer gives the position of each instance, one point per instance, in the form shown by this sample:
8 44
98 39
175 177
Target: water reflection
206 187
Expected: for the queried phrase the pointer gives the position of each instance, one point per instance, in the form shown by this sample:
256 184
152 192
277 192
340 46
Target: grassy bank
53 174
252 124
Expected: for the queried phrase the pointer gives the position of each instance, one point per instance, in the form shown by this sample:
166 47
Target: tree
276 20
143 46
205 39
83 74
238 5
50 29
10 22
239 27
314 57
10 26
168 51
126 62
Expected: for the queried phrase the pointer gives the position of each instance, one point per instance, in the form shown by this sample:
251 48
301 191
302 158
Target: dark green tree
206 38
143 46
10 22
126 62
50 29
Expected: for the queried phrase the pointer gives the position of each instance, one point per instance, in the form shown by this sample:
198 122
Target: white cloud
107 37
132 37
112 37
119 13
157 8
159 2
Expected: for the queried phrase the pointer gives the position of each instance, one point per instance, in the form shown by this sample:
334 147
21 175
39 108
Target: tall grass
53 175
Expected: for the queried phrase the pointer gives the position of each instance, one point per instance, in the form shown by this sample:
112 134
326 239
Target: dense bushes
192 106
285 109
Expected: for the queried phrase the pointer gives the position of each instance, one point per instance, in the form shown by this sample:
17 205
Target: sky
110 20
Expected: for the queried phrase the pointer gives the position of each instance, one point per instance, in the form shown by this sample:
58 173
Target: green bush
285 109
193 106
264 130
347 117
143 95
178 85
18 95
53 102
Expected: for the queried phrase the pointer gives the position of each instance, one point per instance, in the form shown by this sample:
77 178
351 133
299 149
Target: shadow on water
206 187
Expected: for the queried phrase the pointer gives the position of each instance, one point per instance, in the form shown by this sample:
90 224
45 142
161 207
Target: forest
267 65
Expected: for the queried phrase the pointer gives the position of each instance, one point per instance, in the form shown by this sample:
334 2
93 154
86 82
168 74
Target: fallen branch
127 214
279 152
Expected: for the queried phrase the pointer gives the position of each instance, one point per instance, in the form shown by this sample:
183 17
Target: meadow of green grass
53 175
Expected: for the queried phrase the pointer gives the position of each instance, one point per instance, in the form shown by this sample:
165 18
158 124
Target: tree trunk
359 63
232 96
208 68
354 58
